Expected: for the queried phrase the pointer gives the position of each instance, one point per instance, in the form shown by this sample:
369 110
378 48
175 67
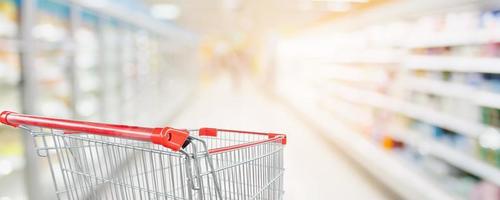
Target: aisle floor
313 169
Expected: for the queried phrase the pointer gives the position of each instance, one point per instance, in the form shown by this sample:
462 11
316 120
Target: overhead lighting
165 11
345 1
338 6
231 5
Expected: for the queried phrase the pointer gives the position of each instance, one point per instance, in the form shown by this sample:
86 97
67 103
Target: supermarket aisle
313 169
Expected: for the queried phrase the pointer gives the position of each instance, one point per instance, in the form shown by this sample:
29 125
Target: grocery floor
314 170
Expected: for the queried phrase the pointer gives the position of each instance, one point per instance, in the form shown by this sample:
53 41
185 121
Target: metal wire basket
106 161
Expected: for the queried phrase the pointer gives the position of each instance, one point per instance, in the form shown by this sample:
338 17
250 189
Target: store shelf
13 45
137 19
55 46
453 63
452 156
367 57
381 164
368 60
441 88
454 38
419 112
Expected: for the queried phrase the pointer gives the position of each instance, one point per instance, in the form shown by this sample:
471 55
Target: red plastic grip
212 132
3 118
168 137
275 135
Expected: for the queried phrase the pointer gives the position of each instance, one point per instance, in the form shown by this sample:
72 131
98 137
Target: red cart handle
169 137
212 132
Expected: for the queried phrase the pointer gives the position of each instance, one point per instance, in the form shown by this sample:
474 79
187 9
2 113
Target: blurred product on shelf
87 72
485 191
491 19
51 33
489 147
111 84
491 116
8 19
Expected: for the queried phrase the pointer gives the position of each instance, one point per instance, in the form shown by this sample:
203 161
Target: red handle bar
169 137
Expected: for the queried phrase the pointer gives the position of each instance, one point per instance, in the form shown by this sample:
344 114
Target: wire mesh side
254 172
96 167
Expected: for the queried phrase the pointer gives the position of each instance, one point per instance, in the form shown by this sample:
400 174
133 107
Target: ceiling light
338 6
347 1
165 11
231 5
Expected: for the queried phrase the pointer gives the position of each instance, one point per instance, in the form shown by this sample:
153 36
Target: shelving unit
427 91
429 146
454 38
469 93
451 63
450 155
383 165
137 19
419 112
47 48
143 31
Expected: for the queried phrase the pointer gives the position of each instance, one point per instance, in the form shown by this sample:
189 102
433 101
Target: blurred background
381 99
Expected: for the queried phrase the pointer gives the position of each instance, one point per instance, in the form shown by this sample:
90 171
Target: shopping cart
105 161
